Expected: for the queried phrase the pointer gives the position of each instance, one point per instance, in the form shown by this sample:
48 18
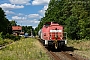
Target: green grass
5 42
81 45
24 49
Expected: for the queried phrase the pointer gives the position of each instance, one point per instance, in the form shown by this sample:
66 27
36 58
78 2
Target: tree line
28 29
74 15
6 25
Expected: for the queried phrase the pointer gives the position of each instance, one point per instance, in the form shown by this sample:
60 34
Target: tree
13 23
72 27
28 29
4 23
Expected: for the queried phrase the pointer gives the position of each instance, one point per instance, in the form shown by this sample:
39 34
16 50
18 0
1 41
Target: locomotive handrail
65 35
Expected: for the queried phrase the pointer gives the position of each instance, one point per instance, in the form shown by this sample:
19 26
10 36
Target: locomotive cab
53 36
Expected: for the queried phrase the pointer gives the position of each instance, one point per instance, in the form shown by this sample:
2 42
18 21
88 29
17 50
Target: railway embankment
81 47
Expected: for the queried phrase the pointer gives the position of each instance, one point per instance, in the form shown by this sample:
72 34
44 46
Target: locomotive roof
51 23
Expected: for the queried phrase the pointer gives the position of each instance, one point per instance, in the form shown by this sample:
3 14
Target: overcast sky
25 12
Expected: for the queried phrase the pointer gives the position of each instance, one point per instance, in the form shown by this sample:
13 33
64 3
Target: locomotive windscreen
47 24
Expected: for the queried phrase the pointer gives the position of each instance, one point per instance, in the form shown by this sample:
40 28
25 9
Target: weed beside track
24 49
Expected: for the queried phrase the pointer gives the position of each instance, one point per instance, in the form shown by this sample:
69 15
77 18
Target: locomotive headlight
56 35
61 36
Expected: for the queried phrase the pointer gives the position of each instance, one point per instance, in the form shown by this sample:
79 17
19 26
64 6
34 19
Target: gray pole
31 33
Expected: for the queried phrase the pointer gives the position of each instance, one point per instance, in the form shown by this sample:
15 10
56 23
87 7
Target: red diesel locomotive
52 35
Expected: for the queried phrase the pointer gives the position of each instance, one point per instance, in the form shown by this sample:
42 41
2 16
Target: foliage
8 38
13 23
73 15
1 36
5 26
28 29
4 41
12 37
72 27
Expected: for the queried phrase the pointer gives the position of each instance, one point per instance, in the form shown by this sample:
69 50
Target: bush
7 39
1 42
15 38
12 37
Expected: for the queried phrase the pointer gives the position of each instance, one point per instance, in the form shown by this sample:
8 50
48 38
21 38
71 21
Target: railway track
54 56
66 56
4 46
61 55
